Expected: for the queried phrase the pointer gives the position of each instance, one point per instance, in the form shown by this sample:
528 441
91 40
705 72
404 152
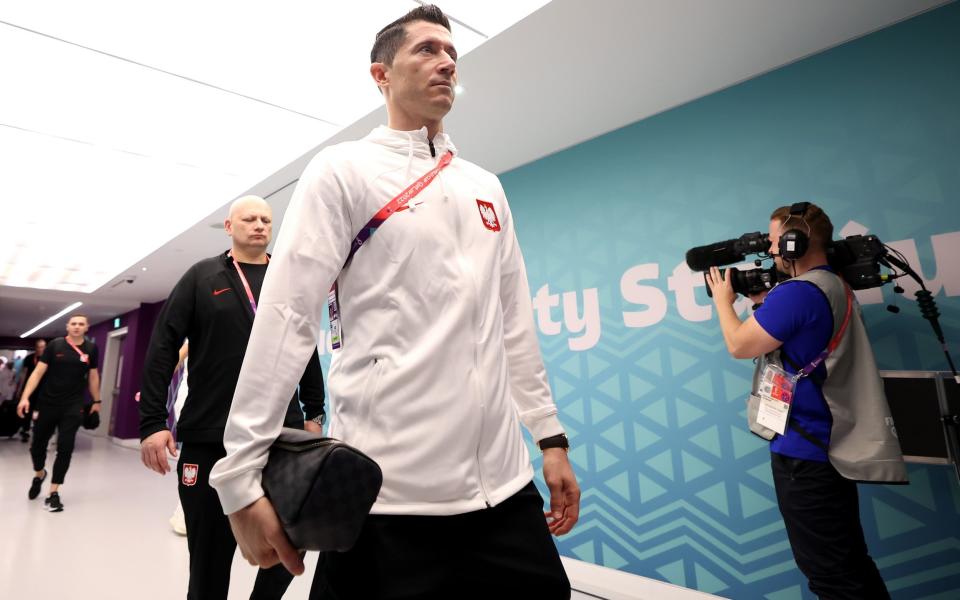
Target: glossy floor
113 539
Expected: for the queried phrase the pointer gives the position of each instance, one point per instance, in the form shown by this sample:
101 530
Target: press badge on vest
776 396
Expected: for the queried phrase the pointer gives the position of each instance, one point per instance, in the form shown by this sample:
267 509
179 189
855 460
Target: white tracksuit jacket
440 361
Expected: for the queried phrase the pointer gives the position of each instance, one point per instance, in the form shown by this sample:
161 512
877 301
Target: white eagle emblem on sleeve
489 215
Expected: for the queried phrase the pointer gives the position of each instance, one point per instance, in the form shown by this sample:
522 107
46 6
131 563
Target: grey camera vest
863 440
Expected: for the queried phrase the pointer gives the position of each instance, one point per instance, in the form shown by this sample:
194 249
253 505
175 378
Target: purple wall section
131 385
124 417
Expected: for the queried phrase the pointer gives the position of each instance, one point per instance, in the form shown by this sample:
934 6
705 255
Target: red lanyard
394 206
834 342
83 357
246 285
400 202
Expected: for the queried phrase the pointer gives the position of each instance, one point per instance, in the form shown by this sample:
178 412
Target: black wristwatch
555 441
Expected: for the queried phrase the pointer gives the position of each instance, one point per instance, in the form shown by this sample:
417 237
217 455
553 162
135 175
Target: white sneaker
177 521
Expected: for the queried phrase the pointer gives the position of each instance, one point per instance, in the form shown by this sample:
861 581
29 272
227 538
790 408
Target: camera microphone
702 258
728 252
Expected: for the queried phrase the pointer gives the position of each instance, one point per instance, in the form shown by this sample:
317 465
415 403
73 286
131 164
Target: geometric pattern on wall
674 486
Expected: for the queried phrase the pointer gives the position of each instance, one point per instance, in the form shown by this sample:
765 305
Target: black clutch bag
91 420
321 488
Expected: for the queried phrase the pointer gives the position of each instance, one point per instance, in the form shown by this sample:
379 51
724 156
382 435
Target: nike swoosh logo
218 292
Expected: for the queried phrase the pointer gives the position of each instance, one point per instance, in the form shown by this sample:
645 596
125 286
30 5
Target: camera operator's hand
721 286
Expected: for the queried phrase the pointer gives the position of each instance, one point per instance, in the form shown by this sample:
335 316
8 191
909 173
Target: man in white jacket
437 361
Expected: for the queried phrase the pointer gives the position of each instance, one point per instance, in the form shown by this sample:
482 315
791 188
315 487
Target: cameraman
837 429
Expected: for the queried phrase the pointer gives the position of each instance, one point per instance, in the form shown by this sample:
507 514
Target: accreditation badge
84 358
776 397
334 308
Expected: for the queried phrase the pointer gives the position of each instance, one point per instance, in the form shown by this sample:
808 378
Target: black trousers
66 419
209 538
822 517
500 552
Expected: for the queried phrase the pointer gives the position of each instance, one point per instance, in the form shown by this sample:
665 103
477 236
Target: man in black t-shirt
67 367
30 363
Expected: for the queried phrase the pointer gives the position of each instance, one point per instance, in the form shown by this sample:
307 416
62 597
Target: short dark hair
79 316
821 229
390 38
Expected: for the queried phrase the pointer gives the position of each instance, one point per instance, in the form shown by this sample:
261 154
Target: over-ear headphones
795 242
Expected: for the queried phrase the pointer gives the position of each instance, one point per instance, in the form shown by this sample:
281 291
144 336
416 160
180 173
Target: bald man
214 305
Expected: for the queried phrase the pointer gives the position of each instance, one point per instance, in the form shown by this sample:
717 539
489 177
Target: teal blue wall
674 486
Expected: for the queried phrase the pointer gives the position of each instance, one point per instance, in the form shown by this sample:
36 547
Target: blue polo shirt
798 314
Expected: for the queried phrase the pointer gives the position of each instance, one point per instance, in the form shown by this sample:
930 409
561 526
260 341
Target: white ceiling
119 108
566 73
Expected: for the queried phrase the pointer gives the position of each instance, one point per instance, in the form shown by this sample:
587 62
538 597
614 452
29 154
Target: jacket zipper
476 358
